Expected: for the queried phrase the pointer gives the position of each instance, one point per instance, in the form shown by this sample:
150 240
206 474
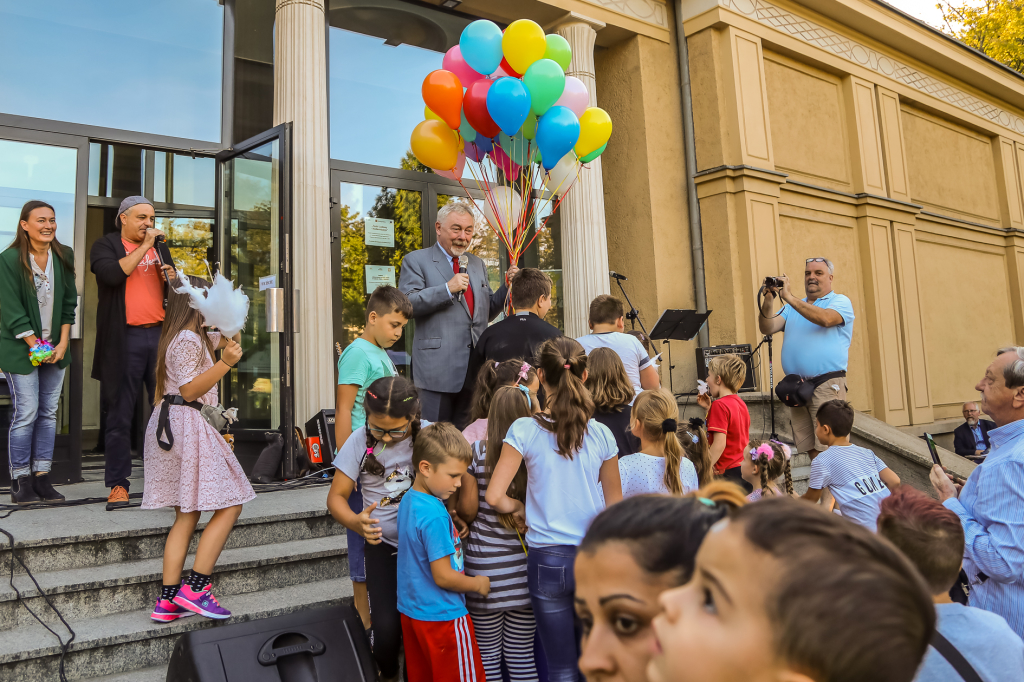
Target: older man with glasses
970 439
816 347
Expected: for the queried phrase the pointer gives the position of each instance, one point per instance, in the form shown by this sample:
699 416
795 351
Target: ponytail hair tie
370 393
668 426
566 366
696 423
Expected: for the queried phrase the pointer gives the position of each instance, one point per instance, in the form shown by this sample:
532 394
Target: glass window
190 241
545 253
152 66
37 171
119 170
397 213
379 57
485 244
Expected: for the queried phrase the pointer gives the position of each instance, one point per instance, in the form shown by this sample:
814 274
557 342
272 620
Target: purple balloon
473 152
574 96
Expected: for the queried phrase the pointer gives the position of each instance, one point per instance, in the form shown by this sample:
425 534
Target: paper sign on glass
268 282
379 275
379 232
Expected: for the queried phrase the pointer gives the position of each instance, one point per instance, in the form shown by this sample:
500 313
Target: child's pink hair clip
785 449
762 451
523 371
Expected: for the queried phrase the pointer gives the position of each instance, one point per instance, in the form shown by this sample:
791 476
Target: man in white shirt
607 331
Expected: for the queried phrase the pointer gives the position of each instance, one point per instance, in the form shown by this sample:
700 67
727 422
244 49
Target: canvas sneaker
166 610
202 602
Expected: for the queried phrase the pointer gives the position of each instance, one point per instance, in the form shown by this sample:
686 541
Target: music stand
678 325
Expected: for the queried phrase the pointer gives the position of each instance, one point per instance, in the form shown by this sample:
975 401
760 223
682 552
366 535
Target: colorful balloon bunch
40 352
503 102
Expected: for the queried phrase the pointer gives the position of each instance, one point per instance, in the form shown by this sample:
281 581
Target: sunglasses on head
817 260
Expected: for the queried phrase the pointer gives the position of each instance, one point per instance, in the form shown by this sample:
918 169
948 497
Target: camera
773 282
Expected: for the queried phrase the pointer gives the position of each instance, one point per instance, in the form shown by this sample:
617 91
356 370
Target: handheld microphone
615 275
463 264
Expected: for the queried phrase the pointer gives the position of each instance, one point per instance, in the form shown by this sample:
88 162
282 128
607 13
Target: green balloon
594 154
545 81
558 50
536 156
517 147
466 130
530 126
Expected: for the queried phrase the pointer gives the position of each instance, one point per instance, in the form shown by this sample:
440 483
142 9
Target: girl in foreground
784 592
197 471
631 554
503 620
566 454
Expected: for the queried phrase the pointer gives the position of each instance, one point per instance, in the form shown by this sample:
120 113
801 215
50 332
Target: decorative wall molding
814 34
648 11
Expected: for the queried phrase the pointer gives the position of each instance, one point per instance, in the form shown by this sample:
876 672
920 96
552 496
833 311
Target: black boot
41 484
22 492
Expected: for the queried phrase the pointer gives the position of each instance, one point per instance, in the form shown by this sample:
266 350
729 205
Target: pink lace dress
199 472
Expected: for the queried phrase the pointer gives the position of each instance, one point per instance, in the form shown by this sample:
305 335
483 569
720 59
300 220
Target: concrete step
125 644
157 673
62 548
133 585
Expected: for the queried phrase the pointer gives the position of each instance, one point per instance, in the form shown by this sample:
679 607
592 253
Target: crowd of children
578 527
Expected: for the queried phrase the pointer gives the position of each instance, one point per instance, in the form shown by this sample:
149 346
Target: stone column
300 96
584 241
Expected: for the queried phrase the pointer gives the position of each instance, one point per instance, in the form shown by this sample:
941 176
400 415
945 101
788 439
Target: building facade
271 133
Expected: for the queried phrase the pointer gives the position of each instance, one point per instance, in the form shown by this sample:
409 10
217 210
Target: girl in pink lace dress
192 469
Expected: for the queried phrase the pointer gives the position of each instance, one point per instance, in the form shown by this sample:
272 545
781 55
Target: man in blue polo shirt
816 346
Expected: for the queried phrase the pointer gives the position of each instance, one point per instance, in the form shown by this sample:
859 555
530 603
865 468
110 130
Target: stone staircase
103 573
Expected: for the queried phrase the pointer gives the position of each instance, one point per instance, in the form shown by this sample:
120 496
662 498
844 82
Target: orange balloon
435 145
442 93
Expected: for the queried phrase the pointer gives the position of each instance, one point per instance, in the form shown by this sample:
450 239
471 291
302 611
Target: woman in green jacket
38 298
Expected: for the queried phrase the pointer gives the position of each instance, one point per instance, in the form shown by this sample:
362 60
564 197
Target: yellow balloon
595 130
435 145
431 116
523 44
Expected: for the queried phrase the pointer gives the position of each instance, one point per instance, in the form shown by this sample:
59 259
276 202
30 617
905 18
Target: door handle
275 309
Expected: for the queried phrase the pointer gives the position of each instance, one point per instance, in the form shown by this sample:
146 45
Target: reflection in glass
252 179
190 241
403 208
151 66
546 253
37 171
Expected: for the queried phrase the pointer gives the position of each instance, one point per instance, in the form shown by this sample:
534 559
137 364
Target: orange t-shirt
144 290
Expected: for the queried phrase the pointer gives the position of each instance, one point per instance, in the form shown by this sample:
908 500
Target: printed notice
379 275
379 232
268 282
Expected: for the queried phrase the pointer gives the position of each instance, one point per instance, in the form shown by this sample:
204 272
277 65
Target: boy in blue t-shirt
436 629
361 363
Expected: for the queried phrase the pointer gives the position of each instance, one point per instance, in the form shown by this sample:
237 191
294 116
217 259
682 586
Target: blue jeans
356 543
34 425
552 585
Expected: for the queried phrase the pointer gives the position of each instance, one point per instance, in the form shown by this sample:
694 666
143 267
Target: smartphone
931 448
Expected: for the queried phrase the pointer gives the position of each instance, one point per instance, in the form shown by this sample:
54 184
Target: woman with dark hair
192 468
38 298
631 553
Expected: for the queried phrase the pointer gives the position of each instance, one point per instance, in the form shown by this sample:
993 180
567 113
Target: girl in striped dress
503 620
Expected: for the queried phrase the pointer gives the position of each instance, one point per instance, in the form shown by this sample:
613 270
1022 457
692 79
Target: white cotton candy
222 306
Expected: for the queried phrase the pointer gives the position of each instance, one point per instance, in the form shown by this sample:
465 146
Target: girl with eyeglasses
379 456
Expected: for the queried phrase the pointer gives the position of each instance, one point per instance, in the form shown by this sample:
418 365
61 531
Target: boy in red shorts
440 645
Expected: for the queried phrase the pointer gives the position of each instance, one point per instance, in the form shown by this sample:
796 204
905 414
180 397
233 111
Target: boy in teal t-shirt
364 361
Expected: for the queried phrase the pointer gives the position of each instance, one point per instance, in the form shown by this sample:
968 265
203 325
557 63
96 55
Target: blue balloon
480 44
557 131
484 143
508 103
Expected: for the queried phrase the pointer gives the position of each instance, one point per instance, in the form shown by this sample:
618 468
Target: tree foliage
995 27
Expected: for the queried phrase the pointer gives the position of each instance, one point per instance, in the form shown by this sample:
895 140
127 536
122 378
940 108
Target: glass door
253 234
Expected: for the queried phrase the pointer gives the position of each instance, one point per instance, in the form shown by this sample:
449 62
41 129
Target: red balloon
442 92
509 70
474 105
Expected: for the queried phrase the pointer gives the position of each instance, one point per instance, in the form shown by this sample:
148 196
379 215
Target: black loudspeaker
320 438
704 356
316 645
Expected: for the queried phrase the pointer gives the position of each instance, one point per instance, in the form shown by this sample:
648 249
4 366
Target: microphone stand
633 315
771 382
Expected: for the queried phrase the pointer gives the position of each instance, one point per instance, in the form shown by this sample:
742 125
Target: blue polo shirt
809 349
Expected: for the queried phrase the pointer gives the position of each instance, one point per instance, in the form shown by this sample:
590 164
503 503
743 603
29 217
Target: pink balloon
574 96
454 62
500 72
509 167
455 173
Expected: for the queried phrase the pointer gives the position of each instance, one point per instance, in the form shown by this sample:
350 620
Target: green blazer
19 309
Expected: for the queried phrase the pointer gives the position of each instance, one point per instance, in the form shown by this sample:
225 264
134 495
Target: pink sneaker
202 602
166 610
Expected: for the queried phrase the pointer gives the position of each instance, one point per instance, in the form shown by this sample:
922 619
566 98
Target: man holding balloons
451 307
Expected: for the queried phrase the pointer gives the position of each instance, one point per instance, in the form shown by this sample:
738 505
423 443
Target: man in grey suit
451 310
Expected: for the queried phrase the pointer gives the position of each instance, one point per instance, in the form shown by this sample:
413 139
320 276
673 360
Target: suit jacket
963 438
445 330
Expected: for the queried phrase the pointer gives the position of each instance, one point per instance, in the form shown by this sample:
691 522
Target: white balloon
509 206
560 178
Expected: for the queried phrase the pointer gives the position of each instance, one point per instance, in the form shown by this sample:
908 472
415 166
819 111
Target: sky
924 10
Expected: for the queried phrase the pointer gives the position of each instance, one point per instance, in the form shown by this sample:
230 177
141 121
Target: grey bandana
127 204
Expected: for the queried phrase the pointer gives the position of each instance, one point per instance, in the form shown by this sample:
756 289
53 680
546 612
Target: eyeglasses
394 433
817 260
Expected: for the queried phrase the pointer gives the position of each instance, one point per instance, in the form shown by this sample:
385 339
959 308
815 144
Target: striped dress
494 551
